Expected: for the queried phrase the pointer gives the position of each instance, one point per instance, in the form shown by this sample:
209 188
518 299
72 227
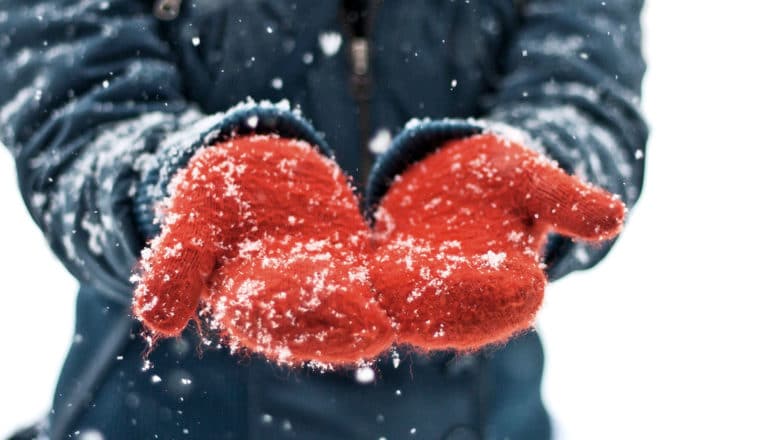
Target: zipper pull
167 10
359 52
359 56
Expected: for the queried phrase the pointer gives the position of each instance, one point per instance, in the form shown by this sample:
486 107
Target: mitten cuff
198 131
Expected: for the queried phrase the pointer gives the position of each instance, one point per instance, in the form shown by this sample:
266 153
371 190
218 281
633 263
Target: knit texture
460 236
267 234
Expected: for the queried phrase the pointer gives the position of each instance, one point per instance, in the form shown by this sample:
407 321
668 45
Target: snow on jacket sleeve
571 81
91 107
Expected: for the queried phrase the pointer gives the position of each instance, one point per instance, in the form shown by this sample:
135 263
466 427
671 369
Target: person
105 103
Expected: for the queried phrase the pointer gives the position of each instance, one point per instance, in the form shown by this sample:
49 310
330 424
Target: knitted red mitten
267 232
460 235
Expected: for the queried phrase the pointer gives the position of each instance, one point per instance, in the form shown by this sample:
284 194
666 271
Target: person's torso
420 59
352 80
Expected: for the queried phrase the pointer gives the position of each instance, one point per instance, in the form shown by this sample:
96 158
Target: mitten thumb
574 208
173 275
175 268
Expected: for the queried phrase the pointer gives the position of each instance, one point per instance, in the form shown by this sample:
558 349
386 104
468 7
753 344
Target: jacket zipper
360 78
167 10
361 84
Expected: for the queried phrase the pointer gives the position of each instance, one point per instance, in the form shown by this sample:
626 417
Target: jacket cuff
176 150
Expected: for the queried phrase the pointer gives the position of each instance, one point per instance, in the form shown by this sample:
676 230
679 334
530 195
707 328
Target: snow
360 274
90 434
432 203
196 41
415 122
571 89
21 98
330 43
284 353
365 374
282 105
96 234
558 45
380 142
581 253
515 236
493 259
396 358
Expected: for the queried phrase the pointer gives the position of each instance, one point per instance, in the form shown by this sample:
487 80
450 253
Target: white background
666 339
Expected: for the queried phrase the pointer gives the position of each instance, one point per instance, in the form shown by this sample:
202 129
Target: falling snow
330 43
380 141
365 375
90 434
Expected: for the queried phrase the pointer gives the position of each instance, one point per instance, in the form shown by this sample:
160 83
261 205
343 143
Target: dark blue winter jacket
102 100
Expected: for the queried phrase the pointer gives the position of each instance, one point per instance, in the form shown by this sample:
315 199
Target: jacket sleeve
570 86
93 110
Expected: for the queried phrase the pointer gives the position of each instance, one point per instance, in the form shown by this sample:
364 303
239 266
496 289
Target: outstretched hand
460 236
263 235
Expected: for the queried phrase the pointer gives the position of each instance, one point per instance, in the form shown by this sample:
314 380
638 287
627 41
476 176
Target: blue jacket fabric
101 101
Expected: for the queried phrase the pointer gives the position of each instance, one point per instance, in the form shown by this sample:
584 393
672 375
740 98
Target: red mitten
460 235
267 233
